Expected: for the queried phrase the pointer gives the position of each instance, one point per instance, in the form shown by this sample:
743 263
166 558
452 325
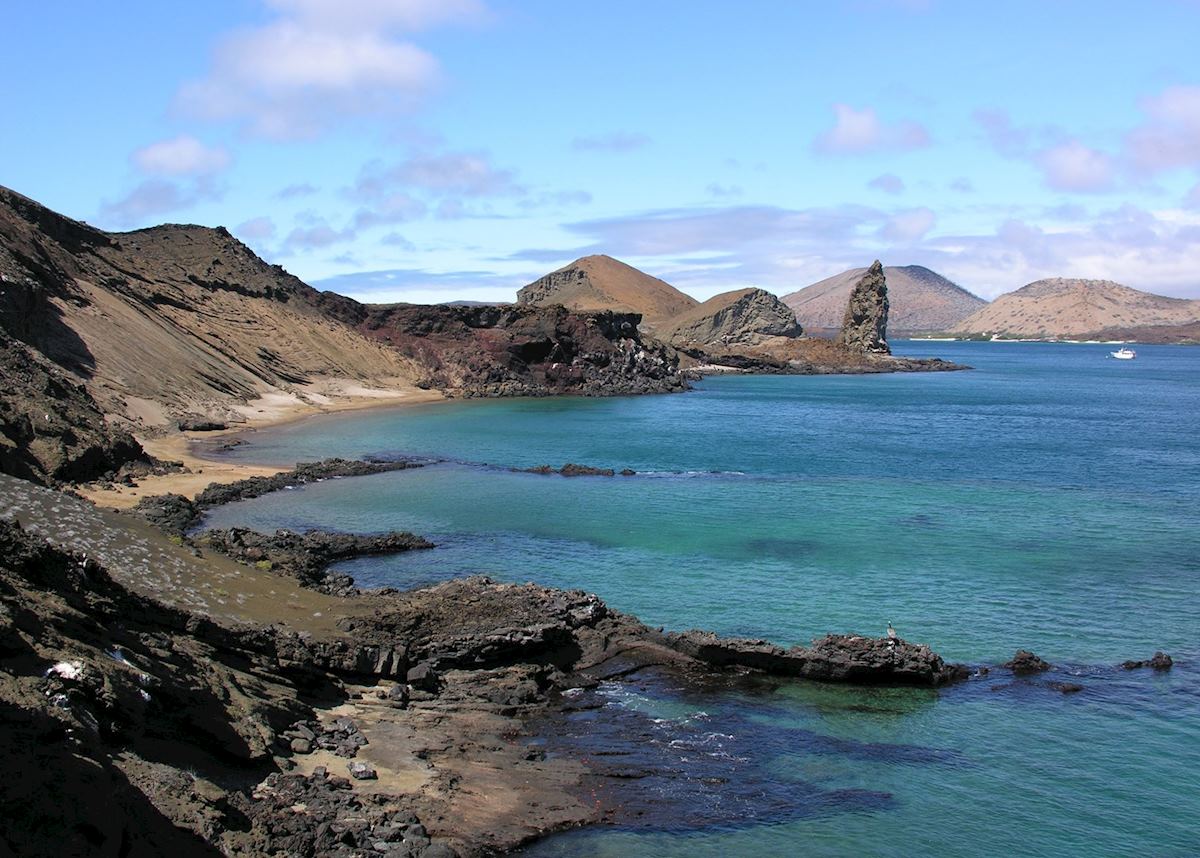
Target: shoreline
195 449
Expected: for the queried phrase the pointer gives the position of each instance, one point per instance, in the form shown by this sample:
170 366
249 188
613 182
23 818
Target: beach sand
273 409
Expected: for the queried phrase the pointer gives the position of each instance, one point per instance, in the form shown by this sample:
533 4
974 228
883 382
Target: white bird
891 632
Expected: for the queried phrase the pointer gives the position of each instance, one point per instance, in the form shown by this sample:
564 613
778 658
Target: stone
362 771
423 677
1161 661
744 317
1023 661
301 746
864 327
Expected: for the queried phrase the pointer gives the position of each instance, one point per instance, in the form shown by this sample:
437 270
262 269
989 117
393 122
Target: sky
434 150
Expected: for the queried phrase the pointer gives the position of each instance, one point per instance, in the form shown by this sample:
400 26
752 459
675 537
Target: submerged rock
1023 661
864 327
1160 661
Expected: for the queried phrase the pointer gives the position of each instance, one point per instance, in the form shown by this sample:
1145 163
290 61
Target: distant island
1076 309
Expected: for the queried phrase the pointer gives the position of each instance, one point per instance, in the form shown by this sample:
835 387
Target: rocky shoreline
341 722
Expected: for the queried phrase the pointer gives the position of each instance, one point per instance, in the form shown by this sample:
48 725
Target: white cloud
889 183
1170 138
319 62
181 156
856 131
153 198
256 229
1072 166
469 174
616 141
908 226
406 15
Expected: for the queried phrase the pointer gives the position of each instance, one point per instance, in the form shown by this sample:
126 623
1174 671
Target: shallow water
1050 499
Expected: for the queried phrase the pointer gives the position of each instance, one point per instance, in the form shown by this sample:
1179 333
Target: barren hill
743 316
177 320
921 300
603 283
1067 307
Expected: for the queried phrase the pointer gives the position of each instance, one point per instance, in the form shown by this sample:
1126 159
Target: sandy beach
273 409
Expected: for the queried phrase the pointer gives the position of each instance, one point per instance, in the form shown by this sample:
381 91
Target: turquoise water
1050 499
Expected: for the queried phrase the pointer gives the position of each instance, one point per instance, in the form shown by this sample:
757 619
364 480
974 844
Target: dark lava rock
306 556
864 327
833 658
172 513
51 429
1067 687
1023 661
423 677
573 470
336 821
1160 661
201 424
306 472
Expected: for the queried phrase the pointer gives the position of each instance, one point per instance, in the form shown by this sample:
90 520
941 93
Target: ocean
1048 500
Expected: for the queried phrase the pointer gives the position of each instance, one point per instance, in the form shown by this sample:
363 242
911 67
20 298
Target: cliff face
526 351
741 317
864 327
603 283
919 300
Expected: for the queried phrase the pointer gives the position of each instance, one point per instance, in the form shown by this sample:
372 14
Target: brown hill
1067 307
179 320
921 300
743 316
603 283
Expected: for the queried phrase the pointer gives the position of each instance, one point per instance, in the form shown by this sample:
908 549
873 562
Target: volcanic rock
919 300
864 327
833 658
1023 661
1160 661
741 317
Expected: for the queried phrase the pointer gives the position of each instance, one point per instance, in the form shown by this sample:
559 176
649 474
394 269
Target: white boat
1124 354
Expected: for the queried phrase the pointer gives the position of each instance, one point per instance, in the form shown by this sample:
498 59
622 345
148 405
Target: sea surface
1049 499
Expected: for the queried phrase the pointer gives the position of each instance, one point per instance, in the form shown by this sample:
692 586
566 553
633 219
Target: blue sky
427 150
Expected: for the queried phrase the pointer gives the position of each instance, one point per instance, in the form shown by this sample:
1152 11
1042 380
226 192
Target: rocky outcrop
741 317
1026 662
51 430
321 815
833 658
919 301
489 351
176 514
570 469
307 556
600 282
1159 661
864 327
